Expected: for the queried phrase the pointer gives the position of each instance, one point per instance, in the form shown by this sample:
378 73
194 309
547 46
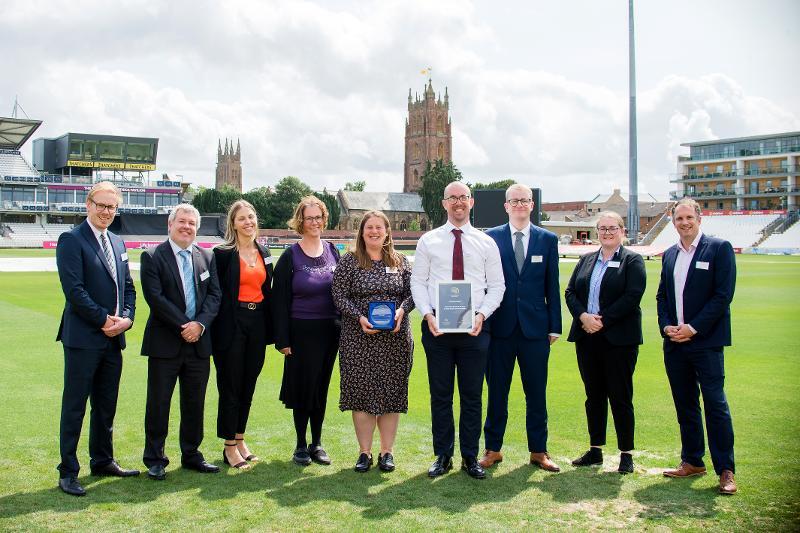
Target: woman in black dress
242 329
307 326
374 363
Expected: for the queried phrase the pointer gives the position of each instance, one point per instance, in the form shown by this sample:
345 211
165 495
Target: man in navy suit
180 284
698 276
100 304
527 322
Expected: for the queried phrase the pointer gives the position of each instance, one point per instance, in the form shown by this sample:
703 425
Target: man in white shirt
452 252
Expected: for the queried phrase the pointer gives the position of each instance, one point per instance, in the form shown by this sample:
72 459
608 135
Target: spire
238 147
429 90
409 96
226 146
446 98
219 148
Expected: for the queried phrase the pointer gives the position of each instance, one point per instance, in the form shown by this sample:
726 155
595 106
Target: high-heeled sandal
251 457
225 459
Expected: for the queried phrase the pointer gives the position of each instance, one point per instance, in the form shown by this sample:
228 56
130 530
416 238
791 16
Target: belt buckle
251 306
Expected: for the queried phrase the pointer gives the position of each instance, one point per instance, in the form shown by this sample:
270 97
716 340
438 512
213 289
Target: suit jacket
707 294
163 291
532 296
621 291
228 269
90 290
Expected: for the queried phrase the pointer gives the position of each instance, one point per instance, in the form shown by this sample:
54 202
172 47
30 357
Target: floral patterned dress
374 368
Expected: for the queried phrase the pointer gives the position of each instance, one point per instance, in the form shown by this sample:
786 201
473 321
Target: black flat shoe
471 466
386 462
157 473
364 463
71 486
625 463
301 456
442 465
318 455
113 469
593 457
204 467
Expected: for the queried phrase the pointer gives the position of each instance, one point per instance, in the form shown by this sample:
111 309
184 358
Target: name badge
124 256
204 276
702 265
536 259
268 260
391 270
613 264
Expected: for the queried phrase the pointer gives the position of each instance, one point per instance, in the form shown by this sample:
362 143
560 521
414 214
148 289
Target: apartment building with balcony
746 173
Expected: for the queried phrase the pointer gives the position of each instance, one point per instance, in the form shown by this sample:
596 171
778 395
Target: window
753 204
75 150
720 205
705 205
111 150
89 149
441 151
753 187
140 152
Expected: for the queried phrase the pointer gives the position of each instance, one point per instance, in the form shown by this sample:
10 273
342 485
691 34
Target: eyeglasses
318 218
524 202
104 207
608 229
454 199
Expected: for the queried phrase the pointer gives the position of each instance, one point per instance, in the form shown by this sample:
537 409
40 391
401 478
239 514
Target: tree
334 211
434 180
261 198
413 225
288 193
215 200
502 185
357 186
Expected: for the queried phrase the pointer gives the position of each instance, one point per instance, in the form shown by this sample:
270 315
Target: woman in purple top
307 326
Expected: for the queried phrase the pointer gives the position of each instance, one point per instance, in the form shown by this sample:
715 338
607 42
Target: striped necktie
188 283
107 253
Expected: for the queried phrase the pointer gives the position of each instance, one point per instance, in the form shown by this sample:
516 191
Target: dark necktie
107 253
458 256
519 251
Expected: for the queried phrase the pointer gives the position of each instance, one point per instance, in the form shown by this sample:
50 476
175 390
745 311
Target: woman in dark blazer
243 327
603 297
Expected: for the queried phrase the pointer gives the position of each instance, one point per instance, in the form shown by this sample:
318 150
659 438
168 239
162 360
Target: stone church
229 166
428 135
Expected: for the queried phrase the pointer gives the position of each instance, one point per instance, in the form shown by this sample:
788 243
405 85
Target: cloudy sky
538 90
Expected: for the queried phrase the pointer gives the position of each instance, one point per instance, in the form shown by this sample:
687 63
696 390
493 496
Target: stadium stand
13 164
788 240
742 231
31 235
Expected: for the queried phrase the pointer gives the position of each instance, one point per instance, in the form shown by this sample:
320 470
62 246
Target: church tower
229 166
428 136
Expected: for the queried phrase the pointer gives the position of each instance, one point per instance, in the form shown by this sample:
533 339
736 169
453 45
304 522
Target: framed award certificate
454 311
381 315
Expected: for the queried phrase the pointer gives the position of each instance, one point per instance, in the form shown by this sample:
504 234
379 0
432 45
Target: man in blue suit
527 322
698 276
100 304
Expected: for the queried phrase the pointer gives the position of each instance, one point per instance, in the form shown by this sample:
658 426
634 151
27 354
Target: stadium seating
32 235
742 231
13 164
789 239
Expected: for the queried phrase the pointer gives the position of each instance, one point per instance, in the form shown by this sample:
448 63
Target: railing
736 173
744 153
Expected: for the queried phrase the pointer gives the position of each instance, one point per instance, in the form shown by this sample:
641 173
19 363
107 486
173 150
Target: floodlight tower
633 185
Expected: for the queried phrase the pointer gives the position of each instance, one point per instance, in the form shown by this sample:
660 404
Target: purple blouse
311 283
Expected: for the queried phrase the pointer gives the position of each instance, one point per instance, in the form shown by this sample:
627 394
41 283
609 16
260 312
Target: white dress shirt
433 261
113 264
177 250
680 272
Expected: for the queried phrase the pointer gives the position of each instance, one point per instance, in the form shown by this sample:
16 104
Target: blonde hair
688 202
612 214
231 242
101 186
296 222
391 258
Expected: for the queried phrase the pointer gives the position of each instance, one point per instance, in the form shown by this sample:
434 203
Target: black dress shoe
157 472
204 467
386 462
625 463
593 457
318 455
364 463
301 456
71 486
471 466
113 469
442 465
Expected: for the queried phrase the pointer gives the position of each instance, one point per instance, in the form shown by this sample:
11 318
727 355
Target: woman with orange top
242 329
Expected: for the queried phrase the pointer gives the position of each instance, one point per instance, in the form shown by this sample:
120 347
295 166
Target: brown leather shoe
543 460
727 485
685 470
489 458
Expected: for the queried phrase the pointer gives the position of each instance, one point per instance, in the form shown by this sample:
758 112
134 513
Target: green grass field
763 385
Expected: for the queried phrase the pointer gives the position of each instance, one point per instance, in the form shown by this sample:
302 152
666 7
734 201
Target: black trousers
238 369
91 374
449 355
607 373
162 373
532 355
690 372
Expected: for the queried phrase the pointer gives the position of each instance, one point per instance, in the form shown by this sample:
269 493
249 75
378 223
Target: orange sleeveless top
250 280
